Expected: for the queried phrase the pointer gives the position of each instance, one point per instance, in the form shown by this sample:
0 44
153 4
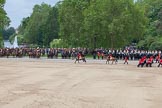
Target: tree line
94 24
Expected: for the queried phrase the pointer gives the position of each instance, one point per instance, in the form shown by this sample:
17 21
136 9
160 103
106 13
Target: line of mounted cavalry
146 58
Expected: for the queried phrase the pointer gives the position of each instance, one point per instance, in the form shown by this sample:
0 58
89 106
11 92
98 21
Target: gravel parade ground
44 83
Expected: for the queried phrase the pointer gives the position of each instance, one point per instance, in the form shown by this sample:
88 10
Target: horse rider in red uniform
98 54
160 62
79 55
126 59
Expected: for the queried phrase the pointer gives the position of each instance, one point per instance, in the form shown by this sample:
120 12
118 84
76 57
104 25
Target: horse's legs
75 61
138 65
84 60
142 64
108 60
116 61
159 65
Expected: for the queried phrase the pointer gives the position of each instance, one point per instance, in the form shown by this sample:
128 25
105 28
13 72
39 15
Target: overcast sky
18 9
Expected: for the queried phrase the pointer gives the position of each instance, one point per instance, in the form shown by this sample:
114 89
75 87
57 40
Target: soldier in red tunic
142 61
149 62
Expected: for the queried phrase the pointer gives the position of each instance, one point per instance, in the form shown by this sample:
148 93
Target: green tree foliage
56 43
20 39
23 25
41 27
107 23
8 32
21 29
88 23
71 20
51 27
4 20
153 11
34 28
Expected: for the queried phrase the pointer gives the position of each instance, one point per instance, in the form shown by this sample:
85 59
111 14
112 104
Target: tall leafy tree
153 35
71 21
23 25
106 23
8 32
34 30
4 20
51 27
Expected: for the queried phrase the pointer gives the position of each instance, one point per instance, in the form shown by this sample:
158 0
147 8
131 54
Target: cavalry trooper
79 55
38 49
160 62
98 54
126 59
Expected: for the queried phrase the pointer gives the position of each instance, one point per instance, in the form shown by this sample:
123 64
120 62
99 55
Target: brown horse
80 59
110 58
37 54
7 52
1 52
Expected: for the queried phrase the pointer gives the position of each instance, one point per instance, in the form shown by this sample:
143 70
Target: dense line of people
125 54
144 57
66 53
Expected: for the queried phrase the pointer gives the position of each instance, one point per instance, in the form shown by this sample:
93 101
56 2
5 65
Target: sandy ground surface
41 83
